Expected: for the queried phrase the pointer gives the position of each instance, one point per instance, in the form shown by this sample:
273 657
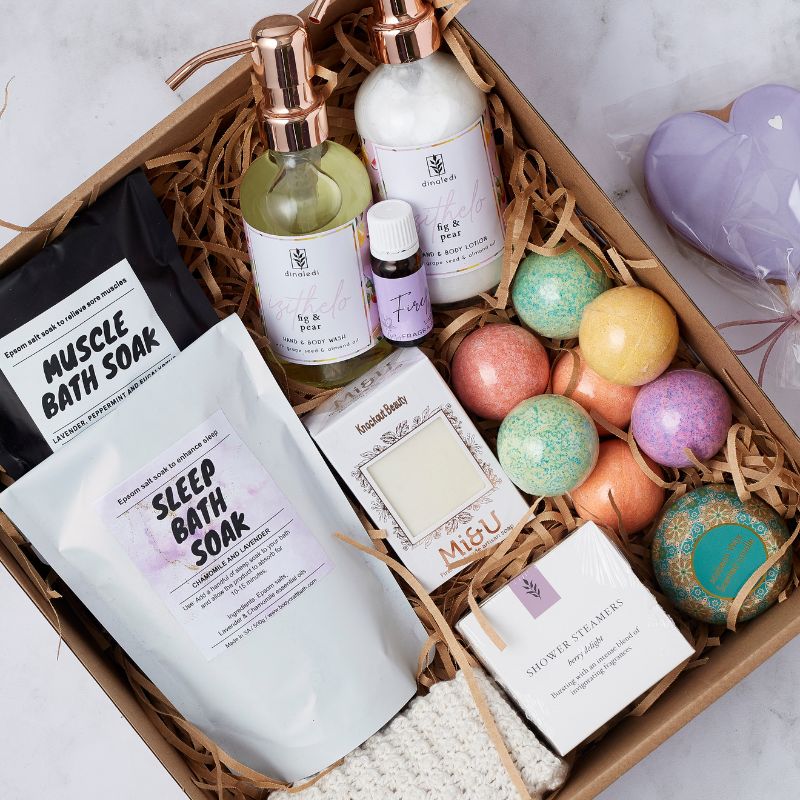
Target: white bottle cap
392 231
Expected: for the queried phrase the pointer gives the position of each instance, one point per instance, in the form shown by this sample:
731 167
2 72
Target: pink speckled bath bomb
683 408
497 367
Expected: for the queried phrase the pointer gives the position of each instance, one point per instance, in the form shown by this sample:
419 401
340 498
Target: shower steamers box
406 448
584 638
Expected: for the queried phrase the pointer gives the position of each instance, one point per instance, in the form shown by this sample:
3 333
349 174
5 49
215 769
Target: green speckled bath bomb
548 445
550 292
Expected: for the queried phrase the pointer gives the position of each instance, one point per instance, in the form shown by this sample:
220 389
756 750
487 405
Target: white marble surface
60 736
88 80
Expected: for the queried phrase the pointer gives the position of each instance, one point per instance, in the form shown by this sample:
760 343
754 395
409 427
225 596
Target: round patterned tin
708 543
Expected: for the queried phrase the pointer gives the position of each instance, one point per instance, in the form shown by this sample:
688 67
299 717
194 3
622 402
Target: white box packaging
584 638
415 461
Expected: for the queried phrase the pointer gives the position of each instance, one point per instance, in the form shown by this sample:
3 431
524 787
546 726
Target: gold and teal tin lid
706 546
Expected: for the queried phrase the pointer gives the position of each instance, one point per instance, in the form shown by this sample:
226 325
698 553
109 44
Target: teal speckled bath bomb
548 445
550 292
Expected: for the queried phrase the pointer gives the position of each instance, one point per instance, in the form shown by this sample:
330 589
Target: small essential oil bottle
401 286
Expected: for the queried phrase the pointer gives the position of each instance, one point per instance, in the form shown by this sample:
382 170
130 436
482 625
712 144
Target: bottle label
404 307
82 357
316 292
213 534
456 191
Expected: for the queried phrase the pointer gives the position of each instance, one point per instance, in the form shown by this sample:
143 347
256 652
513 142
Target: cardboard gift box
634 737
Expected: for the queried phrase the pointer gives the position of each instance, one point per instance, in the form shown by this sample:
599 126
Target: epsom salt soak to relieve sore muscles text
214 536
83 356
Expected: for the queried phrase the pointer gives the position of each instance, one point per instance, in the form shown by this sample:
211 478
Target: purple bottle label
404 307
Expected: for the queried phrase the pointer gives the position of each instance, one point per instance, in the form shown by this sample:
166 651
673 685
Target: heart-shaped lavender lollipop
732 189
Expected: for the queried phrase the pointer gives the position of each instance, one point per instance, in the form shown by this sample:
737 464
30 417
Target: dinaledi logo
436 166
298 264
298 258
437 172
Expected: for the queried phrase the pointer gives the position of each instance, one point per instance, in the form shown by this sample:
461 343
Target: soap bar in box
415 461
584 638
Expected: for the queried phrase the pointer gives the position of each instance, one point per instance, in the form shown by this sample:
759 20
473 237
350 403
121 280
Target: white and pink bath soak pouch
197 524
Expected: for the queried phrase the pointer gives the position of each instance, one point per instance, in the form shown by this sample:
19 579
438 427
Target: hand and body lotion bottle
304 203
428 139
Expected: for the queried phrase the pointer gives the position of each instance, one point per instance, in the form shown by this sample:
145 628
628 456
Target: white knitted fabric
438 749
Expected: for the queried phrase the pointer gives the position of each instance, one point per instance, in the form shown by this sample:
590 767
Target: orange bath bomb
612 401
638 499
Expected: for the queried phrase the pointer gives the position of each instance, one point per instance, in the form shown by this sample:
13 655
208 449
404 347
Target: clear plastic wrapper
723 172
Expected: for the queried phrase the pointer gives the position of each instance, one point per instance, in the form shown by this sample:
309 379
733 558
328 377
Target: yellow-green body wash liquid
305 220
304 204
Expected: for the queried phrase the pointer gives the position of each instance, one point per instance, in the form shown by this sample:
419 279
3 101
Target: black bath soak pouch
89 319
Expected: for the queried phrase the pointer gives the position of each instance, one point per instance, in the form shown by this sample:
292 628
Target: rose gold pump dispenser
401 30
293 109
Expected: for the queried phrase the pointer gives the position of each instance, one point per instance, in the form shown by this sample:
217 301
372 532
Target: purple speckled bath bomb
683 408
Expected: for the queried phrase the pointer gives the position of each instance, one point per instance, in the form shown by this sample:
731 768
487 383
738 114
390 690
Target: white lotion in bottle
428 140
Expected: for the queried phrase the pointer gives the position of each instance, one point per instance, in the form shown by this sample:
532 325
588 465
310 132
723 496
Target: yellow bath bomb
629 335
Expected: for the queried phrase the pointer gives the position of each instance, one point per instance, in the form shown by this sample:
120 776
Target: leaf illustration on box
399 432
531 588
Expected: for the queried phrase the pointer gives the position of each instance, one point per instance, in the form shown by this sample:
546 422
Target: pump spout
401 12
318 11
401 30
214 54
391 12
292 109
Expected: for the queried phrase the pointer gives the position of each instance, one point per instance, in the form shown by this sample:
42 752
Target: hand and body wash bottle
428 140
304 203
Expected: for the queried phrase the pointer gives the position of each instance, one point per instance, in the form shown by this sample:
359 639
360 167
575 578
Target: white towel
438 749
